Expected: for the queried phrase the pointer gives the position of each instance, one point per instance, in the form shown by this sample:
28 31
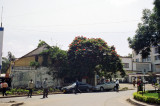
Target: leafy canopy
148 32
86 55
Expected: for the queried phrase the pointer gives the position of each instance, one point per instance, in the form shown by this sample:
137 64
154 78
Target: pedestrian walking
134 83
30 87
45 88
139 85
117 85
4 86
77 87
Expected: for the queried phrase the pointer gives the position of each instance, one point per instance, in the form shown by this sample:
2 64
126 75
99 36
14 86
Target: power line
68 32
104 23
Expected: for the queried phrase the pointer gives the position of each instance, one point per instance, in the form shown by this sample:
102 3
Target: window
157 57
146 59
156 50
126 65
36 58
137 60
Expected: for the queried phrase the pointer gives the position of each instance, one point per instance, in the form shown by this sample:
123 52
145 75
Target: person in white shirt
117 84
30 86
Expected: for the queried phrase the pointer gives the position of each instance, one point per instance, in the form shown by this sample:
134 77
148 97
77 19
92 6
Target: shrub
51 89
17 91
34 64
39 91
146 99
9 92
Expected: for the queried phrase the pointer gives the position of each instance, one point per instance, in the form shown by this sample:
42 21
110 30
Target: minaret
1 42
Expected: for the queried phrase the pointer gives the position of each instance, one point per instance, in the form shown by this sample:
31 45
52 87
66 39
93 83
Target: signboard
1 45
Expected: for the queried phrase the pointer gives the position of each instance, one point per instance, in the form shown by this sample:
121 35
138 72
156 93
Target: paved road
84 99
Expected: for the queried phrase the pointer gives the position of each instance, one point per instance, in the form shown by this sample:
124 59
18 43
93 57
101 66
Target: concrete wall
127 60
22 77
138 66
155 63
136 56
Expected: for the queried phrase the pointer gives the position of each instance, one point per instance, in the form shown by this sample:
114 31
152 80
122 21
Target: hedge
146 99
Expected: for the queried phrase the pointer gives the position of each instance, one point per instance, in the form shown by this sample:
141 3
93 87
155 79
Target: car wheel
114 88
101 89
88 90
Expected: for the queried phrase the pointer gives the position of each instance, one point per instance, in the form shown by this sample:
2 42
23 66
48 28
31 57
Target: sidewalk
130 86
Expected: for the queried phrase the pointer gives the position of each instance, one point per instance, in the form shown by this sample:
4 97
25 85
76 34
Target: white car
105 86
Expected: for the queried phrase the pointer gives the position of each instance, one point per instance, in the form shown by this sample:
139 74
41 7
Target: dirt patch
17 104
11 102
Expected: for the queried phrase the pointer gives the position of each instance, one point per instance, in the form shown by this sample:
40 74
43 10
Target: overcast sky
58 22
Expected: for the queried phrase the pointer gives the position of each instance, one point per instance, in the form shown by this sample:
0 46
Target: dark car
84 87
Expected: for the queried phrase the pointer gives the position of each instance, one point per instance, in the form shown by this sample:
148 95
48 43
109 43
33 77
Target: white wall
127 60
139 66
153 61
22 77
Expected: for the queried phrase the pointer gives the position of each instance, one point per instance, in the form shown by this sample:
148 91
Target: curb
138 103
13 96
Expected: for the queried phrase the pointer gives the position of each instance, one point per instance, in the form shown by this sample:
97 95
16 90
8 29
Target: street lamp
144 73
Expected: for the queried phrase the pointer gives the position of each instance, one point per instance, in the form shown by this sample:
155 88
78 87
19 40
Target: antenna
1 16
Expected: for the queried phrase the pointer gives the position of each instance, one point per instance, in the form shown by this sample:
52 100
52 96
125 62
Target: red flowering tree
85 54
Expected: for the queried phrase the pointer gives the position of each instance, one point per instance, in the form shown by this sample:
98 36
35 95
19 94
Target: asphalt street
109 98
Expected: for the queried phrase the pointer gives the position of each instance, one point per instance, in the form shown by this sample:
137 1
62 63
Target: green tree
86 56
55 59
41 42
5 64
59 62
10 56
129 55
7 61
148 32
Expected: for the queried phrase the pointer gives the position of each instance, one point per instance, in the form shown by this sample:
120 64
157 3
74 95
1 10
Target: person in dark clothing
45 88
134 83
4 88
76 87
139 85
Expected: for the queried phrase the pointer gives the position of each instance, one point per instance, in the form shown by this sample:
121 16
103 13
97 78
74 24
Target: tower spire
1 16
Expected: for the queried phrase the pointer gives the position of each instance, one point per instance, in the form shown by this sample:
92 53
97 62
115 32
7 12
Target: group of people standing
44 85
139 84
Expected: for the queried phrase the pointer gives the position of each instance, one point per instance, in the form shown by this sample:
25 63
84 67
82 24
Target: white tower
1 45
1 42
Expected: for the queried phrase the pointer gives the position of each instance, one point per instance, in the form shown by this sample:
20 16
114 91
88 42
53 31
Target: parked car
105 86
84 87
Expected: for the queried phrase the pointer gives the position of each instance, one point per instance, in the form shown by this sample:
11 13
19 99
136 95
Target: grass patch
124 89
151 95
